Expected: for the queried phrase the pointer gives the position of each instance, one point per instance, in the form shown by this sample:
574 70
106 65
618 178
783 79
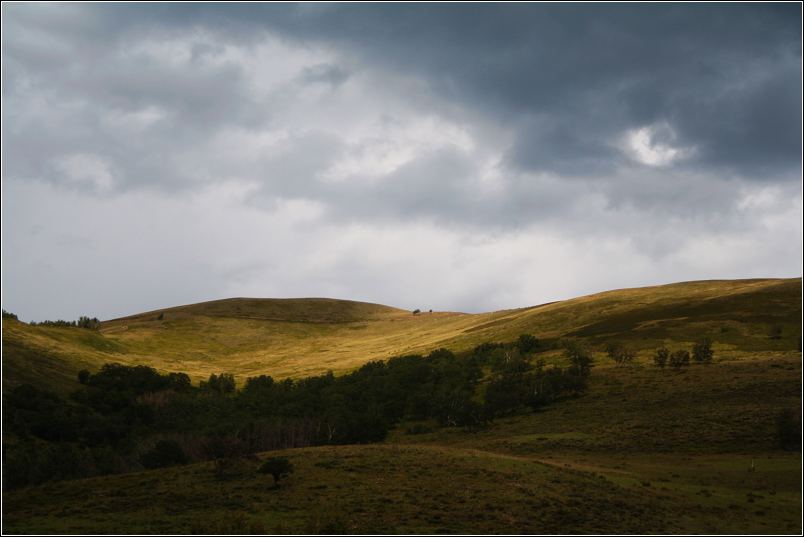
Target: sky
466 157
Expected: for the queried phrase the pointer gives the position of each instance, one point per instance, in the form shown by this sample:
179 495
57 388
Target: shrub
679 359
661 356
9 315
580 359
278 467
702 351
417 311
527 343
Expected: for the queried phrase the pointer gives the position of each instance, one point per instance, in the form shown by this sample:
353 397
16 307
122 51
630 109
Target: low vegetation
277 467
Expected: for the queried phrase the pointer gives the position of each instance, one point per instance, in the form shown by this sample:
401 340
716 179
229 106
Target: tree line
82 322
125 418
91 323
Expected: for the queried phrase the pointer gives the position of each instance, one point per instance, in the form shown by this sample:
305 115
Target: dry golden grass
301 337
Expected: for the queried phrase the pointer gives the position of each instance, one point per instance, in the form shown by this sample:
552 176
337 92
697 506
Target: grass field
644 450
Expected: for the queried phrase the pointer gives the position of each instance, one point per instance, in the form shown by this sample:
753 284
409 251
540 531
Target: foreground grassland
644 451
302 337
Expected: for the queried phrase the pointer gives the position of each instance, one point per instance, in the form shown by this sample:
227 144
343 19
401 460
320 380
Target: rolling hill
302 337
643 450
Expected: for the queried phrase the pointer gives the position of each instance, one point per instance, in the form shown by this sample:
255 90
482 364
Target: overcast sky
454 157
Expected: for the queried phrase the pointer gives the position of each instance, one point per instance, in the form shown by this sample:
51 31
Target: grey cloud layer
632 130
727 77
565 80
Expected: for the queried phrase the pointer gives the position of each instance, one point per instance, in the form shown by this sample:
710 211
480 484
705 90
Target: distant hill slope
299 337
302 310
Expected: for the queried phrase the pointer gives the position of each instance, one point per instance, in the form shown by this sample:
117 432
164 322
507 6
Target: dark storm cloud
567 79
570 77
727 78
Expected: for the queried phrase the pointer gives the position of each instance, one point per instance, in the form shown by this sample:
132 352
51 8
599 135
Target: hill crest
307 310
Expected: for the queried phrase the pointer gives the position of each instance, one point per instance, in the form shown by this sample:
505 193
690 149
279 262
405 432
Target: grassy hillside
300 337
644 451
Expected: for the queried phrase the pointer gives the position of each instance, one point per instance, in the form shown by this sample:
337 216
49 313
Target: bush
679 359
661 356
9 315
580 359
702 351
278 467
527 343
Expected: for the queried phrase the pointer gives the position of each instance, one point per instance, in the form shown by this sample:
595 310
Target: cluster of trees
9 315
222 384
702 353
82 322
127 418
515 383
